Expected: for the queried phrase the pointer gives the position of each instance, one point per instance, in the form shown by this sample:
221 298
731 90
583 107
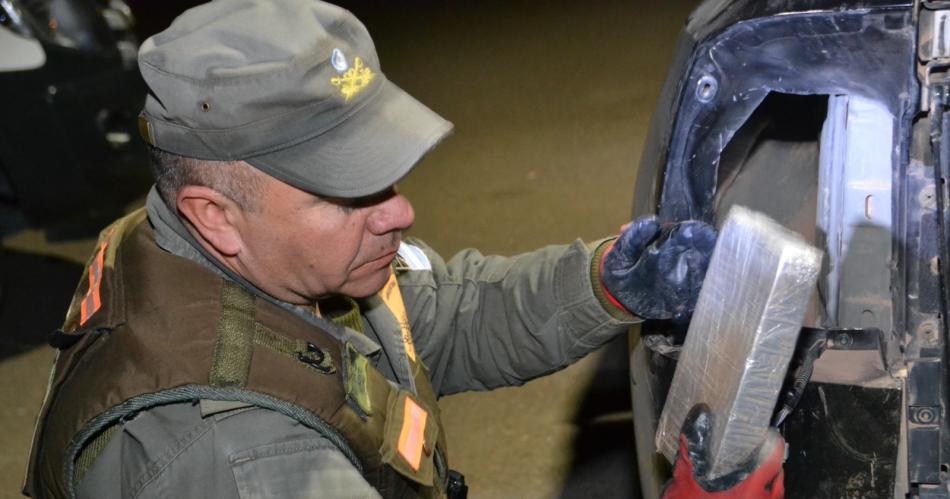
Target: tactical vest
148 328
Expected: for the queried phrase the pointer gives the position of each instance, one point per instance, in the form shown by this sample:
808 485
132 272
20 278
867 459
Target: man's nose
395 213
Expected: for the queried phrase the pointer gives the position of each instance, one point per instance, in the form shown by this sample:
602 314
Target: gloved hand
655 272
761 477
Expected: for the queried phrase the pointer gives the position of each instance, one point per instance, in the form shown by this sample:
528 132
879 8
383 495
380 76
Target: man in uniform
260 329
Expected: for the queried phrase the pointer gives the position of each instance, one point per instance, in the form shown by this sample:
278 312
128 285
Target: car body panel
816 113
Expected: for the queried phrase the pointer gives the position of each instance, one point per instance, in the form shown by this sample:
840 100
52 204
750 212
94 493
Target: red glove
759 478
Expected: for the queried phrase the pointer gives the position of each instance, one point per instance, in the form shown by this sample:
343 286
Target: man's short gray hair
236 180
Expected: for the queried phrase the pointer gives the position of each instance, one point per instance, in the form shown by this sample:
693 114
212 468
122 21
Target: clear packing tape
741 337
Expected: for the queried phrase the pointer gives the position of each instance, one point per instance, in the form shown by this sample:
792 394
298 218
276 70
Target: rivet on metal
923 415
844 340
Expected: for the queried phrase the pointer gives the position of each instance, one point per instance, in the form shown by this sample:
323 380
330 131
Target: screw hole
929 333
205 107
706 88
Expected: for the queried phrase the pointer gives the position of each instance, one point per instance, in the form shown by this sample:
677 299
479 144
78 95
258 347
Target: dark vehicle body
69 155
829 117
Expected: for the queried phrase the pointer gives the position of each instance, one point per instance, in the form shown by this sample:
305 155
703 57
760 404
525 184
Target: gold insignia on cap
354 80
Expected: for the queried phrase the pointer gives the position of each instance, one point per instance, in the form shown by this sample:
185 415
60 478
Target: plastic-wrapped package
742 336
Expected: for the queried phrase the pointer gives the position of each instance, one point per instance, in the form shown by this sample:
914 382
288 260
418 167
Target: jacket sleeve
172 451
481 322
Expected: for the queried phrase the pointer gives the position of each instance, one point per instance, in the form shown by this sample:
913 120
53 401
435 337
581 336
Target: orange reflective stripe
392 297
412 434
92 301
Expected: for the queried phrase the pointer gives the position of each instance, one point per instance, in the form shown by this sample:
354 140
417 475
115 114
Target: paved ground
551 102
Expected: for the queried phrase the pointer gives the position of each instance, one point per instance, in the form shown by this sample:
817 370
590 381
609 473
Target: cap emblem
354 80
338 61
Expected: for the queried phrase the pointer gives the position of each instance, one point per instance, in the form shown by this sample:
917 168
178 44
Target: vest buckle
317 359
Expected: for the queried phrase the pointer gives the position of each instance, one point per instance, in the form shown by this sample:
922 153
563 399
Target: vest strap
239 332
305 352
234 347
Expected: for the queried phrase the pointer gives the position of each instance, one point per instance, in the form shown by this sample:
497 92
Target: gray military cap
293 87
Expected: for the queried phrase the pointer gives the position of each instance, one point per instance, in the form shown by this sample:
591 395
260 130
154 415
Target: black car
69 155
829 116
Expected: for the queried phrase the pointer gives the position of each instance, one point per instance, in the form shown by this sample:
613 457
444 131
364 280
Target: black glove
655 272
761 477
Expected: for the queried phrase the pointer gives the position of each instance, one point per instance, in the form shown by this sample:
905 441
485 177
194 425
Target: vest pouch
410 437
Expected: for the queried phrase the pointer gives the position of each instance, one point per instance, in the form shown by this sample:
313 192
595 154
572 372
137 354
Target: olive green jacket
478 322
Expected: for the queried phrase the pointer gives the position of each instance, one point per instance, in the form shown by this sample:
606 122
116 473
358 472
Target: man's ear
213 216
